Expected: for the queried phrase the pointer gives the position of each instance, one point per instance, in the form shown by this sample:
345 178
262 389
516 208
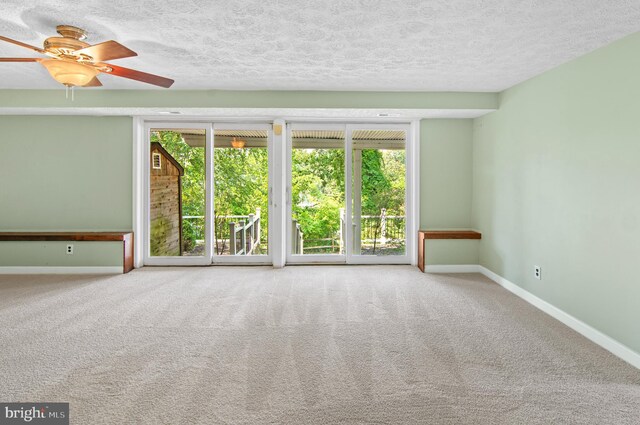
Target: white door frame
208 232
411 194
279 188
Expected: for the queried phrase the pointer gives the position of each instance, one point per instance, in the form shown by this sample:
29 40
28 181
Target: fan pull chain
66 92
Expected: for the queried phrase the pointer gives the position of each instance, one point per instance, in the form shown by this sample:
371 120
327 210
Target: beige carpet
302 345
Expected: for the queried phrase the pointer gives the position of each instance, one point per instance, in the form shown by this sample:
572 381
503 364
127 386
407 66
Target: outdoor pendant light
237 143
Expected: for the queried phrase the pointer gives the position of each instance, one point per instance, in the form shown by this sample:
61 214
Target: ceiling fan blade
21 44
93 83
132 74
20 59
107 51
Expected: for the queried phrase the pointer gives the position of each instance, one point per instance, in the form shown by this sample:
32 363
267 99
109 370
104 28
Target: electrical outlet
537 272
69 250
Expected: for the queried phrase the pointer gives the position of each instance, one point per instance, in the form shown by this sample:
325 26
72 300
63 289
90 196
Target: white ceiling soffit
337 114
418 45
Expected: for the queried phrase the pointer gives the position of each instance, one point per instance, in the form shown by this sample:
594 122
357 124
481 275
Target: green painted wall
64 173
446 158
449 252
445 173
556 178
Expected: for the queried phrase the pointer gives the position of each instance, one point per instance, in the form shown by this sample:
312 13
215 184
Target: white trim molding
60 270
138 180
278 219
618 349
413 185
452 268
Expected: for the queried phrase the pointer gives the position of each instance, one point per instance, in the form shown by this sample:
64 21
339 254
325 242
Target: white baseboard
606 342
625 353
60 270
452 268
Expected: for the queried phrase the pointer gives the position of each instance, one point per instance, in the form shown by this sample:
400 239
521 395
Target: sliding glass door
242 192
347 194
178 204
378 193
208 193
315 191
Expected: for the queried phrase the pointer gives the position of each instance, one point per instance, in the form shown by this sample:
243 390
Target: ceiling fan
73 62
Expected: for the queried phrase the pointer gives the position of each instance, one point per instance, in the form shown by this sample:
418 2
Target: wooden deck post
341 231
301 242
356 250
252 233
383 226
243 237
232 238
258 225
294 237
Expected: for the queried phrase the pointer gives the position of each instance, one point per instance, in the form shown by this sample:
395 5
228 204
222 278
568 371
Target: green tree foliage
375 184
241 180
318 191
383 187
383 181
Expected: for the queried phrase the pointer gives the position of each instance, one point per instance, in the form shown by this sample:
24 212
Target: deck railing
297 238
382 227
235 234
241 234
374 230
247 232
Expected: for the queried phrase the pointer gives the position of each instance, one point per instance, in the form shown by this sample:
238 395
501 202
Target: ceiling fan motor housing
69 31
70 41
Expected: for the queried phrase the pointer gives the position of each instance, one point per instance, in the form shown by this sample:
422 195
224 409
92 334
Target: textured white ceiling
430 45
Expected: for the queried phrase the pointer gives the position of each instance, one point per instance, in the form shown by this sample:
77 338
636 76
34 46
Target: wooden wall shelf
441 234
125 237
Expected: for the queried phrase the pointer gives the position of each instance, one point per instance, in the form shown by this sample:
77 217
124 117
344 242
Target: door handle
271 195
288 195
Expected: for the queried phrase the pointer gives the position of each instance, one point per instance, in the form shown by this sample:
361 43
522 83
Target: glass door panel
316 194
241 192
378 192
177 195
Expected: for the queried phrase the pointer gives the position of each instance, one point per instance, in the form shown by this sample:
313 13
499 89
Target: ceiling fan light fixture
70 73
